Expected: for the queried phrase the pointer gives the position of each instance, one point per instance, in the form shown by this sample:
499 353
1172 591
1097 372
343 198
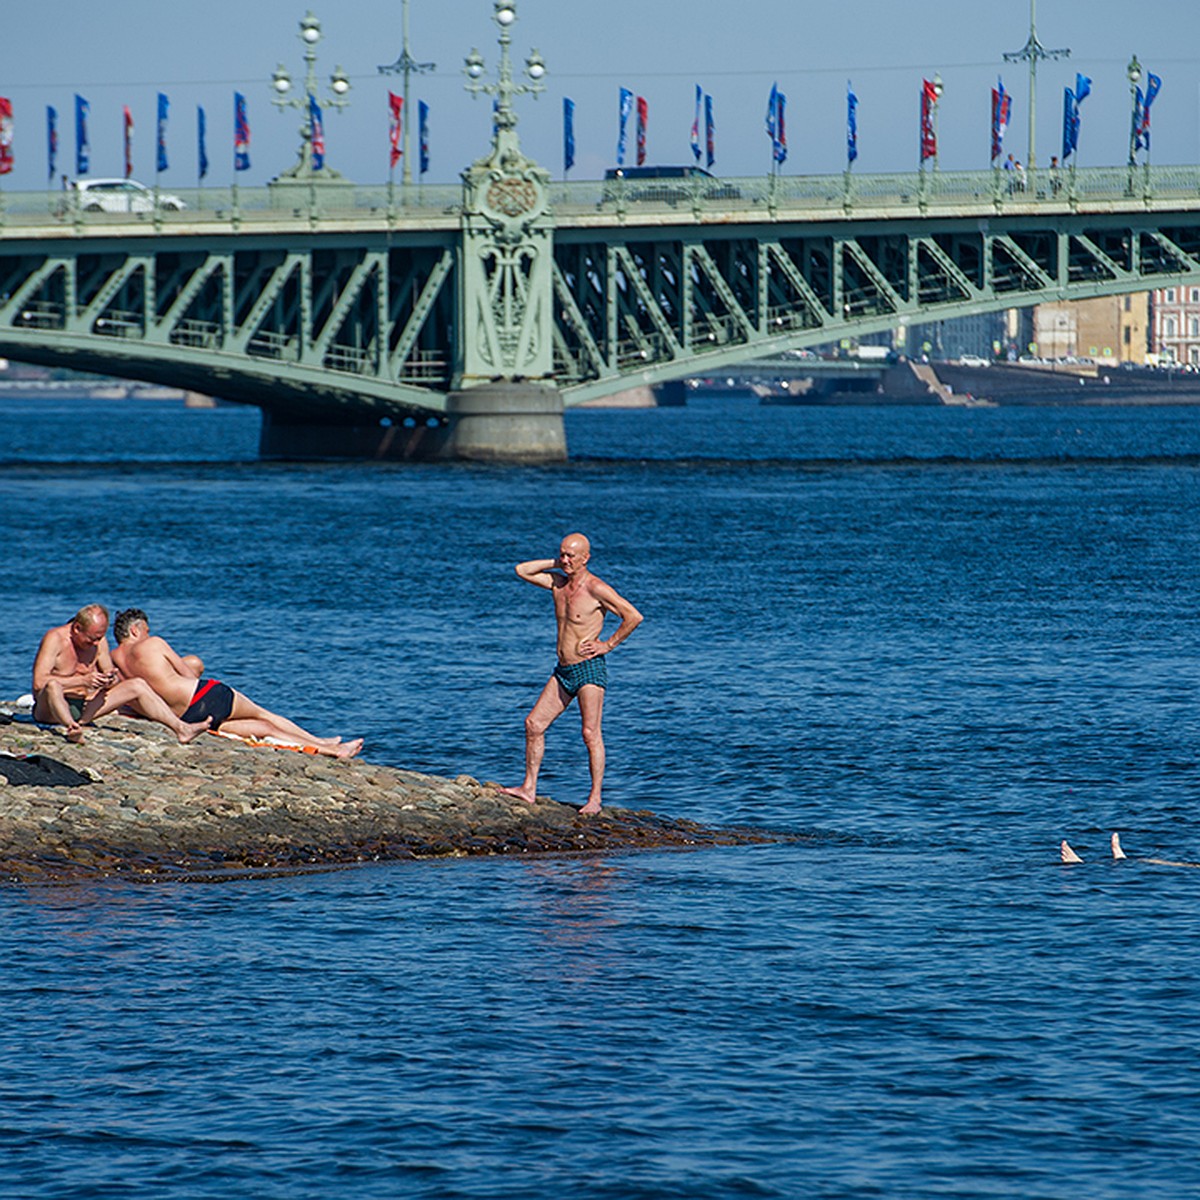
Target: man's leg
551 705
591 710
244 709
256 727
143 699
51 708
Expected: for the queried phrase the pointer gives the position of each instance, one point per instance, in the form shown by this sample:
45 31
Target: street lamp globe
339 82
281 81
474 61
938 87
506 12
1134 71
535 67
310 29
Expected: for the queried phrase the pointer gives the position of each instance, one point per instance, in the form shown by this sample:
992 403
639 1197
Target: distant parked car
123 196
973 360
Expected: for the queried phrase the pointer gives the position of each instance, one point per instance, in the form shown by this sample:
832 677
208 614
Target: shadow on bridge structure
460 321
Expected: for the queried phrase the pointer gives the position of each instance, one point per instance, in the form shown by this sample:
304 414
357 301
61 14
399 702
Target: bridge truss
359 311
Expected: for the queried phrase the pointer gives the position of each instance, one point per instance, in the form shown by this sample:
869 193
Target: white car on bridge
123 195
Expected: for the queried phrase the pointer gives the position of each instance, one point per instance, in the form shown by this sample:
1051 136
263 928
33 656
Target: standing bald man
581 602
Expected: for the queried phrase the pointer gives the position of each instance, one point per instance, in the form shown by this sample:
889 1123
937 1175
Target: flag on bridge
163 106
51 141
82 157
775 124
643 118
568 134
928 133
6 135
695 141
1001 112
241 134
851 125
1071 121
318 132
128 140
1142 111
423 135
395 127
710 132
626 109
201 148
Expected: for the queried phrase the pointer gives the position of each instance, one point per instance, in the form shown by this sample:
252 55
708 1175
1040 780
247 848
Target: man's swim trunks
213 699
75 704
572 676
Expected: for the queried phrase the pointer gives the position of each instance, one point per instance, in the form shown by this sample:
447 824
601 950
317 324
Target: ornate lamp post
504 89
281 81
1133 73
1033 52
504 403
407 66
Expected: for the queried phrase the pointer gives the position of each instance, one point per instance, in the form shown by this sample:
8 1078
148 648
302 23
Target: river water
932 641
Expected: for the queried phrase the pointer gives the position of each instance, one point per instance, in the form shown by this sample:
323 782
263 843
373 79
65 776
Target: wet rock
148 807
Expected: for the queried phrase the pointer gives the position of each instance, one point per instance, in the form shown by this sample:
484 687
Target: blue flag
51 140
241 134
202 152
772 107
851 124
1070 132
423 135
82 108
163 105
626 109
696 125
710 133
568 134
1153 86
1083 88
317 126
780 128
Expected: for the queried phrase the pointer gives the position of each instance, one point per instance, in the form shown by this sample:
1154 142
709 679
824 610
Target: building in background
1175 325
1108 329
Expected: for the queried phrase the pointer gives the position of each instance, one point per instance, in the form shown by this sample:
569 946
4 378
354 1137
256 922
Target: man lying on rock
141 657
74 681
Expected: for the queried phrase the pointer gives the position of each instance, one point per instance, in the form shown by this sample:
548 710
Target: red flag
928 136
643 115
128 142
6 135
396 126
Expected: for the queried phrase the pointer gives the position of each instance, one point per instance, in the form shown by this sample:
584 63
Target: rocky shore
141 805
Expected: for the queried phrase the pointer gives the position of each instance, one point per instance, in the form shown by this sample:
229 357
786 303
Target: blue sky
125 51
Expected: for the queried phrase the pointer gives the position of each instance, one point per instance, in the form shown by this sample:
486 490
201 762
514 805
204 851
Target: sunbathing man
74 681
140 656
581 602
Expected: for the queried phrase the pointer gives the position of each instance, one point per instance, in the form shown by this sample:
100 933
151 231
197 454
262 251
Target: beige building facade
1108 329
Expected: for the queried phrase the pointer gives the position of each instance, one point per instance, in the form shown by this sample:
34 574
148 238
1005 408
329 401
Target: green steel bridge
458 321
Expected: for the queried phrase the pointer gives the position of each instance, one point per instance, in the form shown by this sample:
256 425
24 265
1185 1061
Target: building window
1170 329
1170 295
1194 326
1129 304
1127 331
1194 355
1196 295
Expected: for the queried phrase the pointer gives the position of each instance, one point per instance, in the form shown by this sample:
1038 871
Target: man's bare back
153 660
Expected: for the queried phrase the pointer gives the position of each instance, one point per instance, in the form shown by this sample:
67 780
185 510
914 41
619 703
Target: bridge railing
440 205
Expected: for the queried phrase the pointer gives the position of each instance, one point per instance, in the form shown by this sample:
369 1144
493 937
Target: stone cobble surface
154 807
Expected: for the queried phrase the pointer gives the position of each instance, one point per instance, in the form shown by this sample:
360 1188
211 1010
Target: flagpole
1032 52
407 66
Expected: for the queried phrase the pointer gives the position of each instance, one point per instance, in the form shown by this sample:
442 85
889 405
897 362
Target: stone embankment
141 805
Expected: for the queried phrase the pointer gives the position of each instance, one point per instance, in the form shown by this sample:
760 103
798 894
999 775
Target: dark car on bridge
665 185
